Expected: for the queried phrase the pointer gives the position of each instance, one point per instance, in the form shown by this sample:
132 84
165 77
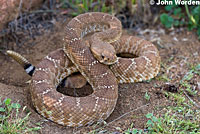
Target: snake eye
102 56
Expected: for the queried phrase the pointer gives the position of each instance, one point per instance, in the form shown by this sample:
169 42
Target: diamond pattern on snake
96 59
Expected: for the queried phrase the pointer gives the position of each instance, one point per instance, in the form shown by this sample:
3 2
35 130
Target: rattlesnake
104 79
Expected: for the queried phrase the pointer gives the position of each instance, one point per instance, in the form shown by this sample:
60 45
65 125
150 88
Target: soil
179 50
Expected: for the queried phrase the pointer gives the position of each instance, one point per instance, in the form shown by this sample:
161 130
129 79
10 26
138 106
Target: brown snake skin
79 111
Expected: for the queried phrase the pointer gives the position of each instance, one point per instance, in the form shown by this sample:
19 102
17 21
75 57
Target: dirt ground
179 49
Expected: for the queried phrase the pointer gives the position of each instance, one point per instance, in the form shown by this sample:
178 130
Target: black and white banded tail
28 67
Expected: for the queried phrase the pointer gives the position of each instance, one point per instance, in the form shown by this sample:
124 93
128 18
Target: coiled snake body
104 79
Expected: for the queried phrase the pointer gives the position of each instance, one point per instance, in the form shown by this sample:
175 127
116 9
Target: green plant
82 6
194 18
174 121
181 117
186 79
163 77
147 96
10 120
175 16
132 130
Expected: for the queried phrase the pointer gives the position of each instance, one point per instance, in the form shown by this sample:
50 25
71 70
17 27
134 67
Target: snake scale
77 56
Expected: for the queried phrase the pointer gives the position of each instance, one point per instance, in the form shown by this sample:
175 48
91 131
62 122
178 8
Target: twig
122 116
44 11
191 100
127 113
19 9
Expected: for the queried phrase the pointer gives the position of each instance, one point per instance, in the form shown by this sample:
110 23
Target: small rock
195 54
175 39
184 39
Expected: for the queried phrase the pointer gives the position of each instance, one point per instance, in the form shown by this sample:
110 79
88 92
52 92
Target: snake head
104 53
